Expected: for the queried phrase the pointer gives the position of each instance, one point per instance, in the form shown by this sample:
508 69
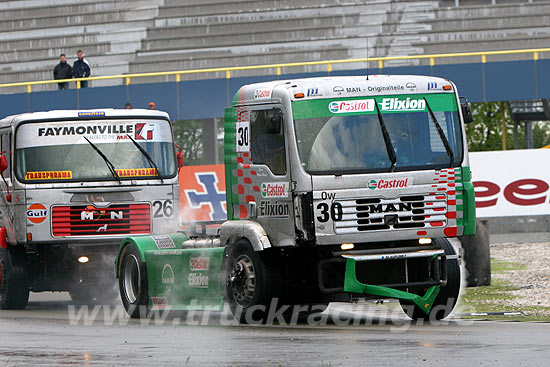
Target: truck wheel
132 282
247 283
448 296
14 282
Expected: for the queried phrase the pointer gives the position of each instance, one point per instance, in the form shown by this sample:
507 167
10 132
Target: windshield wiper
146 155
441 135
107 161
387 140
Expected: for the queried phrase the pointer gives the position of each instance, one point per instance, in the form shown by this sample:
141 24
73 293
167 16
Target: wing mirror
274 121
466 110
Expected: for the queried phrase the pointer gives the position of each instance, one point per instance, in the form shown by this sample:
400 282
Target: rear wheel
448 296
14 282
133 282
247 283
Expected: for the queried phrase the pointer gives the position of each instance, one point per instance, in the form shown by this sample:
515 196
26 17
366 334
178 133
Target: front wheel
132 282
448 296
14 281
247 283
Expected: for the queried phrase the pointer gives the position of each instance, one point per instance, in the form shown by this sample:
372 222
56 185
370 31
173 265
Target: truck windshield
337 136
60 151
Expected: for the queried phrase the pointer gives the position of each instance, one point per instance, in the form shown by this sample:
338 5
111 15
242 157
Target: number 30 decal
163 208
336 212
243 134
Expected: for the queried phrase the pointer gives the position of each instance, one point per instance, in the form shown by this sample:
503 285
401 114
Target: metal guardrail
228 70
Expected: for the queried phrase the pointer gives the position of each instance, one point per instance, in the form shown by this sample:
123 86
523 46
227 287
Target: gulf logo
37 213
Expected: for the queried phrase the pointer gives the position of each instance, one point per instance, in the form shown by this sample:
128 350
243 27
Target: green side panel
230 159
469 202
307 109
146 243
351 284
186 279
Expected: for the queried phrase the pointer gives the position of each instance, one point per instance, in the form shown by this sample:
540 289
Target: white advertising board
511 183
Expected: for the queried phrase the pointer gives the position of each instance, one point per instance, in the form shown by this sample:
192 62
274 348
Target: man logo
167 274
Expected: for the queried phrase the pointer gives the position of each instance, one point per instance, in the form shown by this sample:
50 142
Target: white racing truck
74 184
337 189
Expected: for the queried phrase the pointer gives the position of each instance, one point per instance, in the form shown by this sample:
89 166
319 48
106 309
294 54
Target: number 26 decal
335 213
163 209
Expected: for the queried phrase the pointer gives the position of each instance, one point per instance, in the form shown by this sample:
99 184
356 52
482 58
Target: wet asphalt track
43 335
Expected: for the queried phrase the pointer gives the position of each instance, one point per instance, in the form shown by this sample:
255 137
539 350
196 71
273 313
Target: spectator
128 106
152 106
81 68
63 71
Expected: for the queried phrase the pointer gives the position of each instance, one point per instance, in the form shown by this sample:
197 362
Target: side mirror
179 156
466 110
274 121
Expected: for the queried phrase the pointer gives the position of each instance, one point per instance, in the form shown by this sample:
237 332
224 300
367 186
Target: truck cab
76 183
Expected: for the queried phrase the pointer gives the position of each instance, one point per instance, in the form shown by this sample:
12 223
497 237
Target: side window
267 147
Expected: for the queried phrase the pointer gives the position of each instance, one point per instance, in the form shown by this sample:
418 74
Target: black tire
132 282
448 296
247 286
14 281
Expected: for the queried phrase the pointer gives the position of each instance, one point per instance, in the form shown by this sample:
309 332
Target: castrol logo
37 213
394 183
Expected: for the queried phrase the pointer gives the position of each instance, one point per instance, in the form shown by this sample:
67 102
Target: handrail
127 77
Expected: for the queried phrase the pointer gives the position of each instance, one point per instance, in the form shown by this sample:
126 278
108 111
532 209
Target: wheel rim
243 280
132 278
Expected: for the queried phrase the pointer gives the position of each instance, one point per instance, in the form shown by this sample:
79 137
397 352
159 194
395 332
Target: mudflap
352 285
185 279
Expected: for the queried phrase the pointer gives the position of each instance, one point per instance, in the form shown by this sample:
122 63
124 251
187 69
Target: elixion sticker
273 209
197 280
350 106
397 104
164 241
274 190
37 213
395 183
49 175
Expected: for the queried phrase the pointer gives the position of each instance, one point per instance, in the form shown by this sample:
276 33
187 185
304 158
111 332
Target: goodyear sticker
49 175
91 114
164 242
137 172
37 213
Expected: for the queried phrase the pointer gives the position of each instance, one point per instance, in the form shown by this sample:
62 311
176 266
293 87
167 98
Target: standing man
81 68
63 71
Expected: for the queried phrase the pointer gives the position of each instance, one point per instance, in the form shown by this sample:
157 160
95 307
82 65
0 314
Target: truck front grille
87 220
406 212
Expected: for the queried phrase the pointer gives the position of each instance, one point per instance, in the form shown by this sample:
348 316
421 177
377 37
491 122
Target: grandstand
124 36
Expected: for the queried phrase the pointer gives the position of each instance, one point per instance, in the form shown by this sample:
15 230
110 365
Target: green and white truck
337 189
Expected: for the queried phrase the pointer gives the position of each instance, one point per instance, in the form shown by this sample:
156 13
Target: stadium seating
124 36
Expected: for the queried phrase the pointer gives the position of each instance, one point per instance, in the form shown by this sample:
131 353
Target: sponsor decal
353 89
313 92
338 90
93 214
137 172
274 190
408 104
164 241
410 85
386 88
91 114
273 209
37 213
389 208
432 86
395 183
359 105
144 131
199 263
167 274
49 175
159 302
70 130
262 93
197 280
